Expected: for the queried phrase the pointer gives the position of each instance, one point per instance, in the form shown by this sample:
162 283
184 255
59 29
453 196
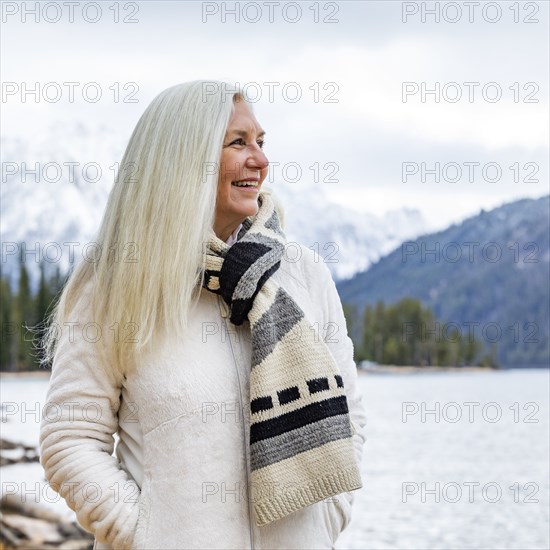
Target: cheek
225 178
223 166
229 166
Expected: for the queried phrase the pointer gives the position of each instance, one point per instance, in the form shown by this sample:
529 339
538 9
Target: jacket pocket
142 525
337 514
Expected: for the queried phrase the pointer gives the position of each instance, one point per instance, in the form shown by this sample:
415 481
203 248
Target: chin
248 209
248 212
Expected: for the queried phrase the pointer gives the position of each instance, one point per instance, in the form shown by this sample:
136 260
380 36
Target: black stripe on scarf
300 417
235 264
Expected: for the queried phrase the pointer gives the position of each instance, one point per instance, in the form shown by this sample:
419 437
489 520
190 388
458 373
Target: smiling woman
243 169
239 425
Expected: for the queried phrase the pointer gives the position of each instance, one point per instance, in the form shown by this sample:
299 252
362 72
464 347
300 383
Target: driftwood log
26 524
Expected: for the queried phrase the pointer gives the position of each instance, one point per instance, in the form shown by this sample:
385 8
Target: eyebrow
244 133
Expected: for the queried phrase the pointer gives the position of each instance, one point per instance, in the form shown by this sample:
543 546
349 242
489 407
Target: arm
340 345
76 437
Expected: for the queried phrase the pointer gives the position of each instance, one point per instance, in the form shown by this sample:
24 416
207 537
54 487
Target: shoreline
374 369
31 374
410 369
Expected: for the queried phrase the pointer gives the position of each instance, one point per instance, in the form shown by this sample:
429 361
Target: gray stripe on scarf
272 450
273 223
249 281
283 314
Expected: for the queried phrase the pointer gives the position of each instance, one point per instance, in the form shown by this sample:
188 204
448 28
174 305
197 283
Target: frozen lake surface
452 460
411 461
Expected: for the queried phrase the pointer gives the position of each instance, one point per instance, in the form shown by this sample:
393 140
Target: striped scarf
301 447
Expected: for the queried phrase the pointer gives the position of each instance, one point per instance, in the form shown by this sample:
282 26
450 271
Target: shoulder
307 277
79 301
305 263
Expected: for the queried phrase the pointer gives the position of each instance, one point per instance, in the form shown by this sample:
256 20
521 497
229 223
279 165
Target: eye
239 141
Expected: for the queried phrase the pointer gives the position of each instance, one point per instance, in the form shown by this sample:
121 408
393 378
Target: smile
253 184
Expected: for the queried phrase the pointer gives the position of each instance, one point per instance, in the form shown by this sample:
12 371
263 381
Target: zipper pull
224 308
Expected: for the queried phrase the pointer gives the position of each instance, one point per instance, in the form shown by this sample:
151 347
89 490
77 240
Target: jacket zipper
224 309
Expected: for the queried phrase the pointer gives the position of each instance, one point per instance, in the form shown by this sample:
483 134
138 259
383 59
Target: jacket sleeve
334 332
76 435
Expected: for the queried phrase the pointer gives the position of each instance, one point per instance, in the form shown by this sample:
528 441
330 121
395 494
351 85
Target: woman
239 423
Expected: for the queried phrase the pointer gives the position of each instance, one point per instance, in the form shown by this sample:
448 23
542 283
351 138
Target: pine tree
7 356
43 305
24 316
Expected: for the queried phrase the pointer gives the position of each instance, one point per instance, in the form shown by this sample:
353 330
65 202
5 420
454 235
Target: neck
223 232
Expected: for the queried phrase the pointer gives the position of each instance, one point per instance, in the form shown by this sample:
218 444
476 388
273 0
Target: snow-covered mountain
348 240
53 193
54 190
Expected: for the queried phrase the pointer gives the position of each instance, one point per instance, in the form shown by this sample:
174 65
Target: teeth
245 183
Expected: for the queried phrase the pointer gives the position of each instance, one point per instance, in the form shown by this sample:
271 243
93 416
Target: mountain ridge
51 196
488 274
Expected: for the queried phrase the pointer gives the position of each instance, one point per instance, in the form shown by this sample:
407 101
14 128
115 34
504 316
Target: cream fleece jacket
186 483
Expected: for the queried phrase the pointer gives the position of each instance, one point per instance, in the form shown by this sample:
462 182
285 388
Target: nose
257 159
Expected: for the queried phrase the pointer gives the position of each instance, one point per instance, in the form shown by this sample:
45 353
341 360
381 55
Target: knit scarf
301 447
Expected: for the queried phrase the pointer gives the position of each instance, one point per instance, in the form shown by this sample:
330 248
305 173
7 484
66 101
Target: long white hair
158 217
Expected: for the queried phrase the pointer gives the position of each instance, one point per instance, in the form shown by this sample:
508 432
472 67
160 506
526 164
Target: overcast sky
349 61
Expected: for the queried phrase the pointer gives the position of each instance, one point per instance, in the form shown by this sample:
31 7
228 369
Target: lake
452 460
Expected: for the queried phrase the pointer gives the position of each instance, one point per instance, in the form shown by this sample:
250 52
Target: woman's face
242 161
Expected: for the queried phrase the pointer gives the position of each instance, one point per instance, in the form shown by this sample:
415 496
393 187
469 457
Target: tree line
407 333
23 314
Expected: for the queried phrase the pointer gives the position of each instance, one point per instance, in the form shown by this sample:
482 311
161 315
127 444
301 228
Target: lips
245 183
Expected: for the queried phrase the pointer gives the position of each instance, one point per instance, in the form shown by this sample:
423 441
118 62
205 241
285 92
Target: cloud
361 62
